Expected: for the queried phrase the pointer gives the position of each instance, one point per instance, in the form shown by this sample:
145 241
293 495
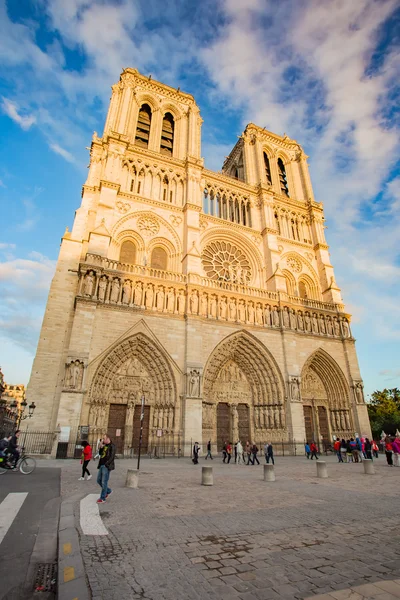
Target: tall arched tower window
267 169
283 178
159 258
167 135
128 253
303 291
143 126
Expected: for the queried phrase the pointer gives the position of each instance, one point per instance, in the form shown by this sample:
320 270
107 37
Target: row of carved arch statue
125 292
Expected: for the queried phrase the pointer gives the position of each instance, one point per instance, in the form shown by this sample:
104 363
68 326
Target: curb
71 583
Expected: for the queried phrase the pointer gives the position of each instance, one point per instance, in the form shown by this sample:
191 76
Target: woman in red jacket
86 457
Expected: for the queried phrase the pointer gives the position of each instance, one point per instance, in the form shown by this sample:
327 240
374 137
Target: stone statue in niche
114 290
223 308
126 292
194 303
170 300
74 374
204 305
314 323
285 317
336 326
345 327
89 284
359 392
322 327
102 288
241 311
300 323
259 314
307 322
275 317
181 302
329 326
213 307
250 310
295 389
137 298
232 310
160 299
149 296
292 317
267 316
235 423
194 383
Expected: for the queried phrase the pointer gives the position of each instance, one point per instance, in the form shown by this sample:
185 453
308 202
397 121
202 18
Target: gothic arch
257 363
304 270
161 384
331 376
124 236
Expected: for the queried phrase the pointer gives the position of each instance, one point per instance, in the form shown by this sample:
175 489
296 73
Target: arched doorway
243 394
134 368
325 396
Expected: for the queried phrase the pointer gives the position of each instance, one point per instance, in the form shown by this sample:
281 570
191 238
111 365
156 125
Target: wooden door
136 429
244 423
116 426
308 423
223 425
323 424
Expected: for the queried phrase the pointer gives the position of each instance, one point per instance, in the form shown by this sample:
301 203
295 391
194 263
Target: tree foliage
384 411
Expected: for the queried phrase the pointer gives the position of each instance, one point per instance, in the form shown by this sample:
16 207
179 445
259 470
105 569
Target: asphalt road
32 536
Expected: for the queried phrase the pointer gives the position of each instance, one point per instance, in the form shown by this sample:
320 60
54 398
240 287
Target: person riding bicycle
13 447
4 445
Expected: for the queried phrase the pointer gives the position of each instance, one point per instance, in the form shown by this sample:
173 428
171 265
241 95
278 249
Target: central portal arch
243 393
134 368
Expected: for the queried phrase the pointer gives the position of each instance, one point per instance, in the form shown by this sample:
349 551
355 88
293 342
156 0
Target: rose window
222 261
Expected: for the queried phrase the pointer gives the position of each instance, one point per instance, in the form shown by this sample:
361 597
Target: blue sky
325 73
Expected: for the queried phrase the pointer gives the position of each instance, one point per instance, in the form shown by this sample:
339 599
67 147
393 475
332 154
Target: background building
211 294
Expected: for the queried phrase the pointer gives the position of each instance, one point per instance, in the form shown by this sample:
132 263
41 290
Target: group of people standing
249 451
392 450
356 449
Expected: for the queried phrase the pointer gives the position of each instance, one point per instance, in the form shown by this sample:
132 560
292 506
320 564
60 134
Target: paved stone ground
298 537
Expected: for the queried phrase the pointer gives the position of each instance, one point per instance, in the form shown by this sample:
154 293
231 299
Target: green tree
384 411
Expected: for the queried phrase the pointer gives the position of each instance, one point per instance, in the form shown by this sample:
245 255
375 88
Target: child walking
86 458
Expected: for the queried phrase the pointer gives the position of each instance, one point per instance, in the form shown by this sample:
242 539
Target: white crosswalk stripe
9 509
91 523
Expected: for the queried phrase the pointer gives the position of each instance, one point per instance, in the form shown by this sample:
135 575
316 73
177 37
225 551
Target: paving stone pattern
298 537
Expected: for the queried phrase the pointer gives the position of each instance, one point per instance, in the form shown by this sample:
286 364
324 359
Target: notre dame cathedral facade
210 294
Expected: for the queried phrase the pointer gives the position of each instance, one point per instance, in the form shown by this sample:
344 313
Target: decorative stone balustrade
106 282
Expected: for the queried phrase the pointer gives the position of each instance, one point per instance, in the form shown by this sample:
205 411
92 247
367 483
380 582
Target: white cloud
62 152
24 285
11 109
6 246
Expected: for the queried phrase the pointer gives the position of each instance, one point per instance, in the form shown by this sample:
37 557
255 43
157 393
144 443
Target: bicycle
25 464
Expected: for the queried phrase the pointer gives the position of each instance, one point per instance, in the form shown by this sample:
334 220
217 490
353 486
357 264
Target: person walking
307 449
254 451
396 451
349 451
336 447
240 452
359 449
354 451
343 450
314 450
224 452
196 449
105 466
248 452
229 452
368 449
86 458
389 451
235 451
375 449
270 454
266 451
208 450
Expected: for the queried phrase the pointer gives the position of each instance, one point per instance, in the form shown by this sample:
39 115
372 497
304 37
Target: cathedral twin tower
210 294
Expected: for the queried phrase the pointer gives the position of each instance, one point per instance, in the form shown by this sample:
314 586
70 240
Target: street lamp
21 410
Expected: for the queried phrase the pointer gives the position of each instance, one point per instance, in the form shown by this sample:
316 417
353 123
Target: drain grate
46 577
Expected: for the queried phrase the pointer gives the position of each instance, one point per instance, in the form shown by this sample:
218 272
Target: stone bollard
368 466
322 471
207 476
132 478
269 473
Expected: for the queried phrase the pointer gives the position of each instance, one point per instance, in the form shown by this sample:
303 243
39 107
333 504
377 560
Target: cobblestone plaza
298 537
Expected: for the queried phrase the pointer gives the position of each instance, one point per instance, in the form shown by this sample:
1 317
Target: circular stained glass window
222 261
